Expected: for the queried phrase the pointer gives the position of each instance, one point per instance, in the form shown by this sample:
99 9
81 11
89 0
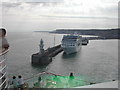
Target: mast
54 40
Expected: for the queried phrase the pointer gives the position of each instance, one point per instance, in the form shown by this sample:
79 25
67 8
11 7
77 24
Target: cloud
88 8
10 5
40 1
30 11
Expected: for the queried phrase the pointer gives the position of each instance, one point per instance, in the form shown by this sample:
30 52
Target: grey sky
47 1
53 14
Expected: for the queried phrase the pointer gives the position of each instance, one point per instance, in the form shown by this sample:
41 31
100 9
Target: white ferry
3 70
71 43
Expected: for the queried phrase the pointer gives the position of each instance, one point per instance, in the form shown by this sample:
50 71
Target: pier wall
46 57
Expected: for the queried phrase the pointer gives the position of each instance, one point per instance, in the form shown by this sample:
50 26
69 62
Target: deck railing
3 70
32 80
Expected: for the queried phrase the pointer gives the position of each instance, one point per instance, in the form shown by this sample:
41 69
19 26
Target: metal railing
3 55
32 80
3 70
4 52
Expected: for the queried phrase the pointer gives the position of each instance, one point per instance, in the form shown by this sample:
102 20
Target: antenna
54 39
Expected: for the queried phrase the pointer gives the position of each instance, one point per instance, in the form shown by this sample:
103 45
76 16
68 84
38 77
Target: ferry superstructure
3 70
71 43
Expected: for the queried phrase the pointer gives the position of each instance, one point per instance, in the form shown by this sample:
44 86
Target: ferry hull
71 43
70 50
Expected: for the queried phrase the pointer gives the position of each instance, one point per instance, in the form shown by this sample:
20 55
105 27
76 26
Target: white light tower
41 47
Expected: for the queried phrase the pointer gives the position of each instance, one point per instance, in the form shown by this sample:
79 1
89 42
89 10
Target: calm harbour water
98 61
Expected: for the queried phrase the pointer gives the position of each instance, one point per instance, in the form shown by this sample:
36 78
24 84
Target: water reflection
67 56
39 67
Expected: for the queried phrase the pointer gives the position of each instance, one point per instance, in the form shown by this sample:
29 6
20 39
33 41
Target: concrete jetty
44 57
57 50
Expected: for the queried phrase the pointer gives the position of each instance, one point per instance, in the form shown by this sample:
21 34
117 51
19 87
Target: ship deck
50 80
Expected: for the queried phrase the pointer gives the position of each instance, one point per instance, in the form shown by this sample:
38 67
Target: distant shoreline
42 31
101 33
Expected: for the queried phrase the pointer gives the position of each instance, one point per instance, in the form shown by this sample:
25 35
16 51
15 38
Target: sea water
96 62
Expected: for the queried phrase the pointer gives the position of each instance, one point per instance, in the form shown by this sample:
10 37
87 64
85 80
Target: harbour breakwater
46 57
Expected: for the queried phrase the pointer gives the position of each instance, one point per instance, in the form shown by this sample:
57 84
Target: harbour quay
44 57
